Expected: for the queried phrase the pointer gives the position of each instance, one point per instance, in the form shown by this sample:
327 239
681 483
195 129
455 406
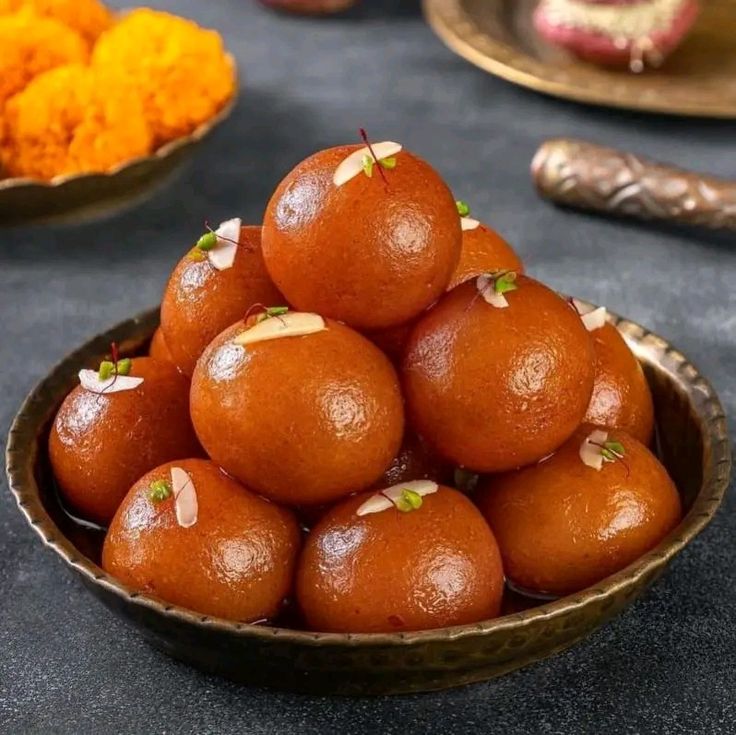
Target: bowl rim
21 456
158 154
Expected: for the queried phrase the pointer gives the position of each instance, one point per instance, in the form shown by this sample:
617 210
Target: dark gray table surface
668 665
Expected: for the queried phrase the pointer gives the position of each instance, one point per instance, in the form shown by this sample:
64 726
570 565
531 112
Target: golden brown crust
158 349
494 389
562 526
200 301
435 566
235 562
621 396
369 253
302 420
101 444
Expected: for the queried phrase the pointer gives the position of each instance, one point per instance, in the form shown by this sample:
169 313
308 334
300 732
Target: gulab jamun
223 551
114 427
621 397
600 502
158 348
299 408
412 557
483 250
204 296
498 373
366 235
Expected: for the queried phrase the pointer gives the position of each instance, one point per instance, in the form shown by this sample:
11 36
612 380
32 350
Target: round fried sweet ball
372 251
200 301
495 387
563 525
621 396
394 570
235 561
304 419
101 443
158 347
484 251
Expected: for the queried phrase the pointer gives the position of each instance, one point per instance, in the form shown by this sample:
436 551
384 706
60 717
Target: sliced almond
291 324
592 317
468 223
390 496
185 497
90 380
222 256
353 164
485 285
591 454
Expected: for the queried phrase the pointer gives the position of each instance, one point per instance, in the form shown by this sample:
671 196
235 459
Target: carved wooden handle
579 174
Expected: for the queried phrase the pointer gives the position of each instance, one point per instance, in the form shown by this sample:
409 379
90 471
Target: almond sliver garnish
389 497
592 317
291 324
353 164
486 288
90 380
222 256
185 498
468 223
591 454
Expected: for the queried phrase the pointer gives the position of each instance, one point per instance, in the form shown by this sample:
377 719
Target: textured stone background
668 665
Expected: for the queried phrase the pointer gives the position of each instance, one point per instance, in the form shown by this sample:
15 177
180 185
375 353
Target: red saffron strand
364 136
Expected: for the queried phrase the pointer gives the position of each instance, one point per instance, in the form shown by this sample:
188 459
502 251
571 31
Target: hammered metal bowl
84 196
692 442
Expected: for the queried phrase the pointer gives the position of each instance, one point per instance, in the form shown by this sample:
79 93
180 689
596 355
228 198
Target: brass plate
85 196
699 79
693 443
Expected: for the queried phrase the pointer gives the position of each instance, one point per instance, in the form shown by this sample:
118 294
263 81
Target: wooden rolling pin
578 174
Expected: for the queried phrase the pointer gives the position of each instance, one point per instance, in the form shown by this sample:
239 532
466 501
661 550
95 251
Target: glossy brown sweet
493 389
621 396
200 301
416 460
302 420
392 340
391 571
484 251
158 348
101 444
235 562
562 526
370 253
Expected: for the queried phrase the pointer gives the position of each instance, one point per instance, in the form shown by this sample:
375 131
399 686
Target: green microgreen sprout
612 451
463 208
368 164
106 370
388 163
272 311
123 366
505 282
159 490
207 241
409 500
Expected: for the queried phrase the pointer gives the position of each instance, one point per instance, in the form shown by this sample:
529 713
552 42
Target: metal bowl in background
693 444
498 36
83 196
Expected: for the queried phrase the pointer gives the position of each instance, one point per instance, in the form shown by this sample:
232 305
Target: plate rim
455 27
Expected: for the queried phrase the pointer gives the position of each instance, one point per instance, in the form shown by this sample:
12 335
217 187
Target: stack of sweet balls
269 455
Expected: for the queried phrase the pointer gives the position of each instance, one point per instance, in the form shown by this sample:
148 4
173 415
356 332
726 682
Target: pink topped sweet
633 33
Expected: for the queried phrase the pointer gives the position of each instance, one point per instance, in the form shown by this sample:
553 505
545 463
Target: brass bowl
498 36
693 443
83 196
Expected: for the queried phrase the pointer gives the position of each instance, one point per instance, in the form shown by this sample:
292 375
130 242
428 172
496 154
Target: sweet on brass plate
82 196
692 441
498 36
